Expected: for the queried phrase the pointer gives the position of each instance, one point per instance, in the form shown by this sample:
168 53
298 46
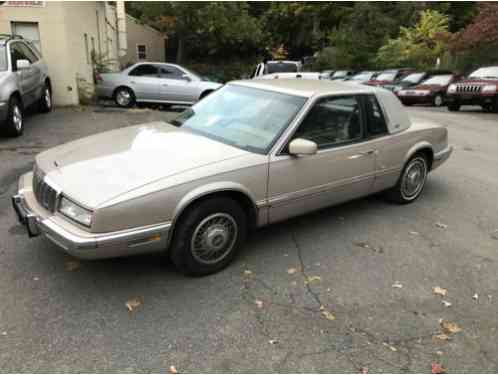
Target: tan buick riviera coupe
250 154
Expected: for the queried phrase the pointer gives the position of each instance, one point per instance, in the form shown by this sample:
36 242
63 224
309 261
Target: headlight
75 212
489 89
452 88
401 92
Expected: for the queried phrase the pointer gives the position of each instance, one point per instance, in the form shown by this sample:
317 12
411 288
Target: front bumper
470 99
441 156
420 99
80 243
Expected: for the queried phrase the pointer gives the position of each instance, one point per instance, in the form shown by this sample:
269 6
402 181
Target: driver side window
332 121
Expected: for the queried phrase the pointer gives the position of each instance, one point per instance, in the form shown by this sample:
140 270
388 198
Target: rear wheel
124 97
14 124
438 100
208 236
411 182
45 103
454 107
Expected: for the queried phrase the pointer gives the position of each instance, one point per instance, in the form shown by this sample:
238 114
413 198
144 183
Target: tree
417 46
204 29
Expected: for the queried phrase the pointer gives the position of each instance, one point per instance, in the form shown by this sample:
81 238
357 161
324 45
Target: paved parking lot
338 290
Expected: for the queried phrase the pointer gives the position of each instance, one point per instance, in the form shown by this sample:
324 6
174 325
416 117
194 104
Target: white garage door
29 31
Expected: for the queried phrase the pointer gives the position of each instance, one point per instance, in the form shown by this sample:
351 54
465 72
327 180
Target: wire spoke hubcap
214 238
414 179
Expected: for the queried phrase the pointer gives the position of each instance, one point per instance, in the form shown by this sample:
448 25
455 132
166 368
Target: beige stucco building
69 33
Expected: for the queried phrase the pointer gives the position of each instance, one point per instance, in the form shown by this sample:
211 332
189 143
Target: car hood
95 169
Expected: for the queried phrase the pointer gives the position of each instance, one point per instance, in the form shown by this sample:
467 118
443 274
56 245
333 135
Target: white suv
24 82
276 66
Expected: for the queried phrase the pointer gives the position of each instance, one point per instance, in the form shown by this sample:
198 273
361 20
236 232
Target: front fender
204 190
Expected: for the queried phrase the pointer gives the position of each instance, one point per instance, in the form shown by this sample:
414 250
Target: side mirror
23 64
186 77
300 146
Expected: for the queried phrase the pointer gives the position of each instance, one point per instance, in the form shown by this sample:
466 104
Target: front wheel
438 100
14 124
411 182
208 236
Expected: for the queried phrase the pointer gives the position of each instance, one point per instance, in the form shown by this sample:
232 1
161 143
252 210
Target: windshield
386 76
339 74
281 67
195 74
442 80
486 73
3 59
248 118
413 78
362 77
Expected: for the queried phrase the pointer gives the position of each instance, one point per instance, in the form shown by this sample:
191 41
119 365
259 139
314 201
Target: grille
45 195
469 88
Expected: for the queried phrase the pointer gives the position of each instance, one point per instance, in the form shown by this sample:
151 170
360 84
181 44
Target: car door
342 169
35 71
177 86
28 78
145 82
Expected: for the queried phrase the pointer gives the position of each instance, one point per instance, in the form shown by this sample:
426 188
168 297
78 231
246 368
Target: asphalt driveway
340 290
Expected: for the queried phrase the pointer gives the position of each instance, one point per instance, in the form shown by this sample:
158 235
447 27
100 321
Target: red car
480 88
431 91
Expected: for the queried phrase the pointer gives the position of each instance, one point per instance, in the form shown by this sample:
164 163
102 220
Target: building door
29 31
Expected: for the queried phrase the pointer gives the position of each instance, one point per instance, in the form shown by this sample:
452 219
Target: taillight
98 78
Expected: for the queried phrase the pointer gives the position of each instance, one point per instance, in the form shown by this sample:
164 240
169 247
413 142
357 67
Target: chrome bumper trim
441 157
97 245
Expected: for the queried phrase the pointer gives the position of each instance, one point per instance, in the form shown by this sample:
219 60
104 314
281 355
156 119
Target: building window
29 31
141 51
85 36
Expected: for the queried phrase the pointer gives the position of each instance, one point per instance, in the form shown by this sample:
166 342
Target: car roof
306 87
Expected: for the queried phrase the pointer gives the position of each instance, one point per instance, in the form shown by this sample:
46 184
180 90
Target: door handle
164 84
132 82
363 154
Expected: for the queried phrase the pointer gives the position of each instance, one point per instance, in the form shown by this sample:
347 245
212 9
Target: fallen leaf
441 225
312 278
173 370
72 265
291 271
259 303
365 245
414 233
293 283
439 352
273 341
133 303
390 347
4 333
439 291
247 272
437 368
36 278
328 315
475 297
446 303
449 327
442 337
397 284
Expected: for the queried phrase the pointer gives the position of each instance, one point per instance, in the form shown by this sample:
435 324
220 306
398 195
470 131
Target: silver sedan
151 82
